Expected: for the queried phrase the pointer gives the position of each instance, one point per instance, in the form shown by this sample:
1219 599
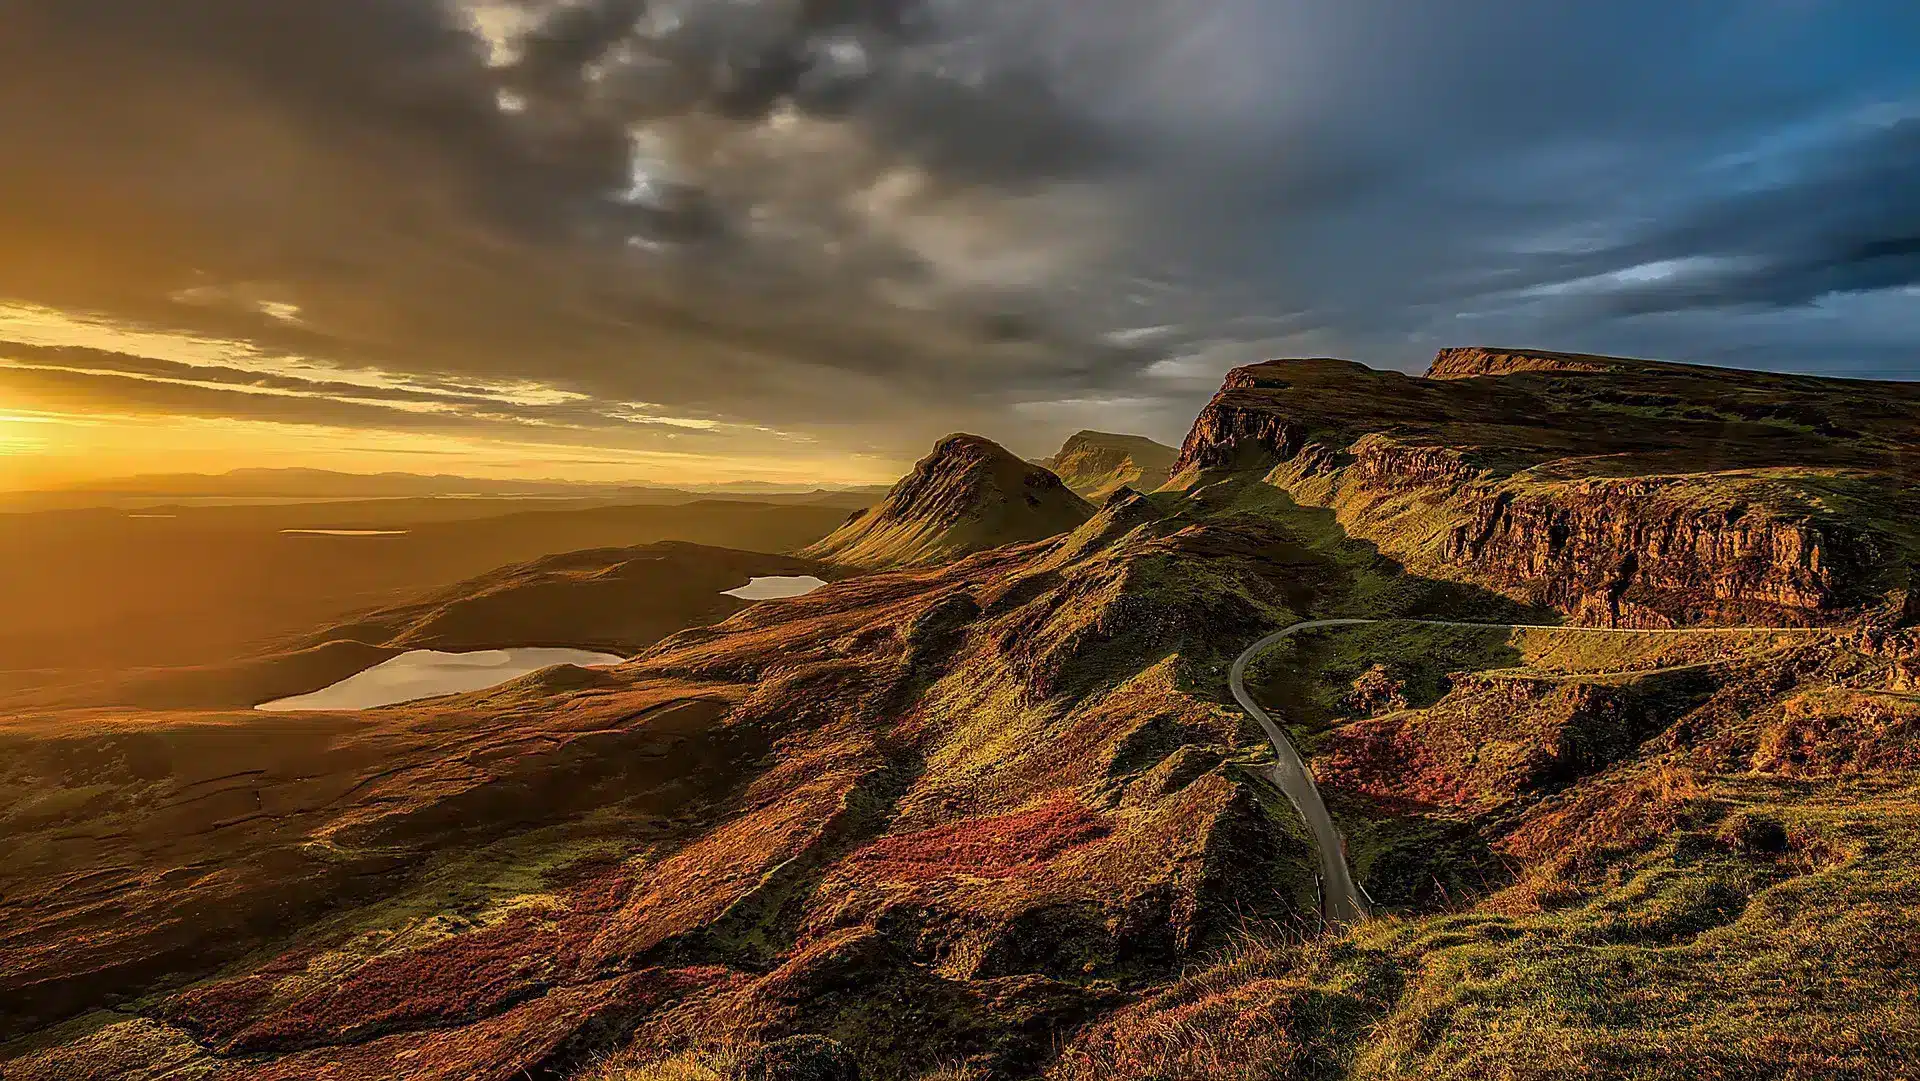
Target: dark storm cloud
882 219
1848 223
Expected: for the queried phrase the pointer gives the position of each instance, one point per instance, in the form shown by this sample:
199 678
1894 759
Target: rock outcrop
1620 492
1471 361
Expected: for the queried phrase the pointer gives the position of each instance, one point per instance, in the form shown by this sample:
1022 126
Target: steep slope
969 495
1096 464
1628 848
1619 492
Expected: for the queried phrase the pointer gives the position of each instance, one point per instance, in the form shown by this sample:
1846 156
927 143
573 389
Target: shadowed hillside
102 591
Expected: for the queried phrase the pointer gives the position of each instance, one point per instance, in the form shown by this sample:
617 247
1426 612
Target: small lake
776 589
345 532
429 673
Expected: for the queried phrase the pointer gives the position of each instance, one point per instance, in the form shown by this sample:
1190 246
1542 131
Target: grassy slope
968 496
1734 898
1096 464
1684 444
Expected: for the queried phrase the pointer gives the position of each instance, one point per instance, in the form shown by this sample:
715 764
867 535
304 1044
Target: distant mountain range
297 484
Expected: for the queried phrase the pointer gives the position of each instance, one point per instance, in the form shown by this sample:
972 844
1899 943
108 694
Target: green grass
1310 677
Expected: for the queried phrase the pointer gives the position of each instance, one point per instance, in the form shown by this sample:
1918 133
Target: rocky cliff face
1624 553
1472 361
1639 494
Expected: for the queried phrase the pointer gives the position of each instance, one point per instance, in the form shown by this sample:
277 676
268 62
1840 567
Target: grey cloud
882 219
1850 223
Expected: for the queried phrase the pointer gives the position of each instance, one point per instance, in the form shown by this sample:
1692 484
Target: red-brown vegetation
995 847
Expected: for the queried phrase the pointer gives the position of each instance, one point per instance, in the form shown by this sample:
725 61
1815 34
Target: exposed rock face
1471 361
969 495
1234 425
1625 553
1096 464
1387 463
1618 491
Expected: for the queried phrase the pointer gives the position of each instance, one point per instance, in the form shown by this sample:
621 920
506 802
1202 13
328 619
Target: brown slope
953 814
99 591
618 599
1096 464
969 495
1617 491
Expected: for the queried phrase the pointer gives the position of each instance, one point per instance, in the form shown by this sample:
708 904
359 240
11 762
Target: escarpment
1626 553
1618 492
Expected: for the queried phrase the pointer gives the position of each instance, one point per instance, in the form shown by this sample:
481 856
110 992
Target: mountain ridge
1646 495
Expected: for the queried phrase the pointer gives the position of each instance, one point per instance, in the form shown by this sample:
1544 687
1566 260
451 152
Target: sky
798 240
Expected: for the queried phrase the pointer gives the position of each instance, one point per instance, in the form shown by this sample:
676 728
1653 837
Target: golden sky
85 398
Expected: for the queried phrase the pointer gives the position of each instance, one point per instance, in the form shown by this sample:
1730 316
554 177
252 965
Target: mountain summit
1097 464
969 495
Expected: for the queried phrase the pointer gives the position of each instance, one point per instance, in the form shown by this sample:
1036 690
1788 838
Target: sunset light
959 540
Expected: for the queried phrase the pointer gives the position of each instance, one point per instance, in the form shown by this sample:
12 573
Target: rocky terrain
989 813
1624 493
1096 464
967 496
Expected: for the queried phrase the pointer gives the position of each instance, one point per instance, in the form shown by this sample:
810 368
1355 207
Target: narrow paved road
1340 898
1342 901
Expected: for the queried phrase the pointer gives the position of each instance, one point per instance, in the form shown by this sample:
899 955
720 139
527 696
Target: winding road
1342 901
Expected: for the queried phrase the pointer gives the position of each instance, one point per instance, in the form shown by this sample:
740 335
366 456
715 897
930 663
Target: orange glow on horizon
48 449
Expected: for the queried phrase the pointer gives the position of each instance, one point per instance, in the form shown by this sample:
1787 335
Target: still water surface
776 589
429 673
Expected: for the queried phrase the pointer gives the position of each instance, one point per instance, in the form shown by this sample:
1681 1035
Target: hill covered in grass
1096 464
996 817
967 496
